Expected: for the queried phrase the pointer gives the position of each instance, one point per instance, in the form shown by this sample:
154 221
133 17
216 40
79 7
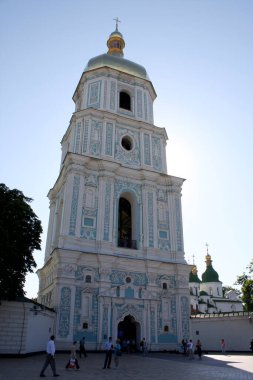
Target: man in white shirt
50 358
108 346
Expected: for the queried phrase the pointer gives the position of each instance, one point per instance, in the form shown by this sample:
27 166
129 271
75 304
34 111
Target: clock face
127 143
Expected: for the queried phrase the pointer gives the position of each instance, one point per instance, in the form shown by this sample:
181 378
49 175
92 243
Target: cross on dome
117 21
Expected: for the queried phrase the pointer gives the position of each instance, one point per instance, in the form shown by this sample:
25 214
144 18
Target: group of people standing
72 362
188 348
110 349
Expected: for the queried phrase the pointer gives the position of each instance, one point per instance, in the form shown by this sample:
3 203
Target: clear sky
199 57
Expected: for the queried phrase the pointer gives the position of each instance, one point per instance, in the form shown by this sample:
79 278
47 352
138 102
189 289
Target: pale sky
199 57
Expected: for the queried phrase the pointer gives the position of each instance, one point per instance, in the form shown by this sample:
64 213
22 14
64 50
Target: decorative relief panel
152 326
163 223
77 137
136 312
108 190
94 90
105 322
156 153
108 139
64 320
150 110
150 220
145 107
147 154
113 96
171 281
90 209
164 244
139 103
179 225
85 137
119 278
83 270
91 180
185 317
105 93
95 312
95 138
74 206
126 186
129 157
173 310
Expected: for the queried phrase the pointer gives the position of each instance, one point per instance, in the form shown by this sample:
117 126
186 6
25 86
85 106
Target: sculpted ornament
68 268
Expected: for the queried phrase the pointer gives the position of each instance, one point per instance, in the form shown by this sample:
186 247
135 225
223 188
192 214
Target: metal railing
222 314
126 243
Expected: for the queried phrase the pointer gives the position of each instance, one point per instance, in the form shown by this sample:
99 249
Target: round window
127 143
128 280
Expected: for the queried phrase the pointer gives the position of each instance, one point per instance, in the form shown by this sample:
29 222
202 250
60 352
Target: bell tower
115 236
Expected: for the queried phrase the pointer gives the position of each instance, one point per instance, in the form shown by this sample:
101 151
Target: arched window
164 285
166 328
124 101
88 279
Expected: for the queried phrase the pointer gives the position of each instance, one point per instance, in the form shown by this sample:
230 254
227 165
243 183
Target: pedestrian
50 351
117 353
199 349
144 347
82 349
223 346
108 346
73 362
128 346
184 346
190 349
251 345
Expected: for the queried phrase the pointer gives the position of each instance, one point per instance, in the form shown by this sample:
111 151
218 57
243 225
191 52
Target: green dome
193 277
118 63
210 275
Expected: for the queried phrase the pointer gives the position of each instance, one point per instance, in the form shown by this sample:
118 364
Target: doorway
129 333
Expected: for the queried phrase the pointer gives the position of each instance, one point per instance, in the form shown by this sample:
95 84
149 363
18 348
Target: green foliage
20 231
247 297
246 282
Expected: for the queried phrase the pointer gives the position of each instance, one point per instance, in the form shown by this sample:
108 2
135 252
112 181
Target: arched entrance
129 333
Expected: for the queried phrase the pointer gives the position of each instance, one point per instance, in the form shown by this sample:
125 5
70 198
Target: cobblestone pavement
155 366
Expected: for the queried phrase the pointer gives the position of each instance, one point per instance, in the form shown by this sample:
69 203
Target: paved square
155 366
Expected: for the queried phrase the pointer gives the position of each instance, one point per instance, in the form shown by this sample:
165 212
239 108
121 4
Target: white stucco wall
24 329
236 330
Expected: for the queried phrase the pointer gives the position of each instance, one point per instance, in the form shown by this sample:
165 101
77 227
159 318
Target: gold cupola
116 43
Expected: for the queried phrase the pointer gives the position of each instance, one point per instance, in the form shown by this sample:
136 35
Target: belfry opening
125 224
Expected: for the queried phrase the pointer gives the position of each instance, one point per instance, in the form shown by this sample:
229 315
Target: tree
20 231
246 282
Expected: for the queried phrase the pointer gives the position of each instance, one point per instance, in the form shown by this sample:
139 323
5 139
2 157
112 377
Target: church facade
114 261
